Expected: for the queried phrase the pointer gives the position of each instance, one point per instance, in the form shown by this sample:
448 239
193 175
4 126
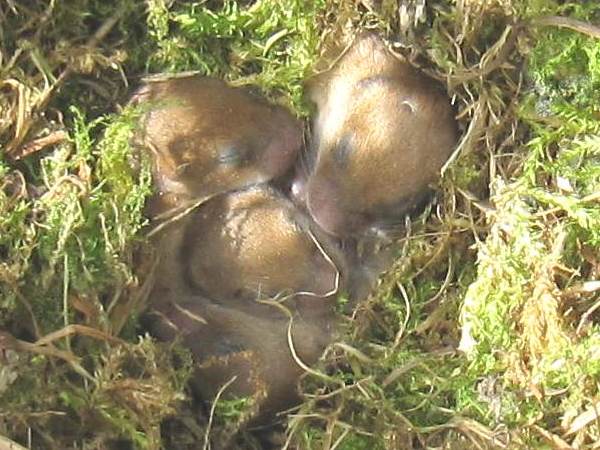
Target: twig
212 412
9 342
39 144
297 358
567 22
70 330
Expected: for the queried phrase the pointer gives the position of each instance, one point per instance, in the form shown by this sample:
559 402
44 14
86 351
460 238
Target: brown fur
206 137
253 348
255 244
215 264
382 133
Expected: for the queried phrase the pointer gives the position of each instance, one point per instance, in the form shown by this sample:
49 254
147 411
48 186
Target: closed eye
342 151
231 155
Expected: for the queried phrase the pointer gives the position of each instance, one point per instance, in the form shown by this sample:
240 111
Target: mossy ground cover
485 332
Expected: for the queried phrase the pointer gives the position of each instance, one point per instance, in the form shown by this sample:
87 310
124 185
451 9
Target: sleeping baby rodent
206 137
256 244
230 277
248 245
381 135
255 349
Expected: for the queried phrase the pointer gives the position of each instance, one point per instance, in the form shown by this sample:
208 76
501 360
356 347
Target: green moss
271 44
565 65
231 411
75 241
542 221
85 221
71 215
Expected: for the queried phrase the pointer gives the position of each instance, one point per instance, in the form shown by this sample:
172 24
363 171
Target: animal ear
409 106
315 85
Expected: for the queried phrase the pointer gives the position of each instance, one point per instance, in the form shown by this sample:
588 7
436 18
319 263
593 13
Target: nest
483 334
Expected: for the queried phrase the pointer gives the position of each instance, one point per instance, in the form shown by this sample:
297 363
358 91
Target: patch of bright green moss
271 44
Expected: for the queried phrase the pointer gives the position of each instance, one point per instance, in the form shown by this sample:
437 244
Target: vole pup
256 244
206 137
255 348
230 277
381 135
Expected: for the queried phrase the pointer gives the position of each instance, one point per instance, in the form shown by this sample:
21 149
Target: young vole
206 137
230 278
255 244
249 245
262 354
382 133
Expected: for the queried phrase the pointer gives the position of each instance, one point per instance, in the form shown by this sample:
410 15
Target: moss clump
68 248
535 264
80 225
271 44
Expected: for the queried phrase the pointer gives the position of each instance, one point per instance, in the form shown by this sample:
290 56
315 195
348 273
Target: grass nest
485 333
